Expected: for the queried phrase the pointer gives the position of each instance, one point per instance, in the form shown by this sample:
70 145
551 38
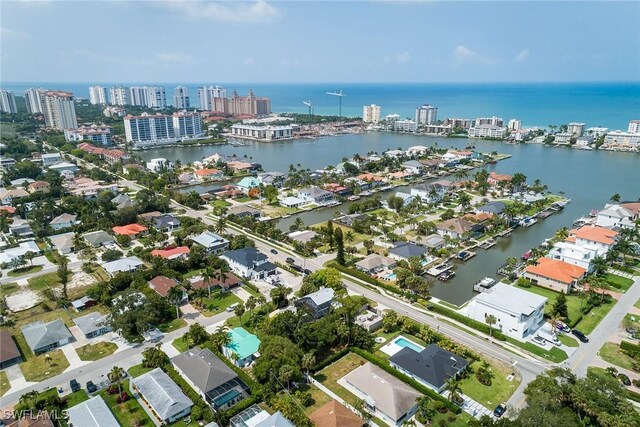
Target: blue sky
307 41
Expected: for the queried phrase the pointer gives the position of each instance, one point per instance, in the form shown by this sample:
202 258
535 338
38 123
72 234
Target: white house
413 166
593 237
249 263
518 312
615 216
63 221
49 159
432 192
292 202
573 254
316 195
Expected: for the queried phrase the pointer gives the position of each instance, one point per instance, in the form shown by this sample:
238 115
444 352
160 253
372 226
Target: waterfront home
518 312
90 413
211 242
413 166
98 238
131 230
244 211
254 416
527 198
430 164
417 150
276 179
293 202
122 265
495 208
206 174
350 219
249 263
334 414
554 274
210 377
393 153
569 252
616 216
594 237
432 192
494 179
9 353
8 255
562 138
375 263
431 367
633 207
242 348
162 396
93 324
433 241
64 243
159 164
406 250
180 252
317 303
338 189
230 281
455 228
42 337
405 175
163 284
384 395
316 195
63 221
249 185
372 179
187 178
238 166
303 236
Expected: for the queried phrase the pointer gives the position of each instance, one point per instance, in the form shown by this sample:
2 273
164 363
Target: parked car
75 385
290 260
539 340
624 379
581 336
561 326
307 271
91 387
273 251
500 410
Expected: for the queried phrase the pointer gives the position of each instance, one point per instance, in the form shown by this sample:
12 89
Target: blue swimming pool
403 342
390 276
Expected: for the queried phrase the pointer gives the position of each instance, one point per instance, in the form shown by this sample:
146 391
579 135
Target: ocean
611 105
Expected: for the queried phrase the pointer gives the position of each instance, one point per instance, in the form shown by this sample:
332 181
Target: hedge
632 349
329 360
482 327
407 380
574 322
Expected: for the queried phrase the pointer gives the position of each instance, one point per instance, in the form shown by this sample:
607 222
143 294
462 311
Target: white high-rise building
634 126
371 113
97 95
8 102
514 125
156 97
575 128
206 96
59 110
119 95
147 129
33 99
187 124
181 97
138 96
427 115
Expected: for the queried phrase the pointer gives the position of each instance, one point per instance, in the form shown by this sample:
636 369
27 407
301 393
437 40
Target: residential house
122 201
554 274
249 263
98 238
91 413
406 250
316 195
64 243
21 229
211 242
369 320
230 281
249 185
433 241
8 255
61 167
41 419
83 303
162 285
432 192
293 202
9 353
303 236
211 378
206 174
413 166
254 416
334 414
7 197
431 367
49 159
166 223
616 216
63 221
571 253
494 179
593 237
383 394
495 208
244 211
375 263
372 179
242 348
317 303
338 189
131 230
430 164
39 187
454 227
42 337
122 265
162 396
93 324
180 252
276 179
518 313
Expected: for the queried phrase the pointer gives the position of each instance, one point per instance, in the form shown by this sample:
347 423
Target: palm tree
465 200
220 337
207 275
220 275
349 236
616 198
599 265
115 376
308 362
453 387
29 257
251 304
360 408
239 311
29 399
285 374
175 296
220 225
199 295
490 320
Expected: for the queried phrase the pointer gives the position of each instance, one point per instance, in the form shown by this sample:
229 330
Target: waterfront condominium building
8 102
59 110
181 97
458 123
97 134
597 131
147 129
97 95
242 105
206 96
487 131
576 129
138 96
33 98
514 125
493 121
119 95
156 97
623 140
634 126
405 126
427 115
371 113
187 125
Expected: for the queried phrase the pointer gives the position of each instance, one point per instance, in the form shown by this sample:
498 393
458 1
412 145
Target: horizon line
332 82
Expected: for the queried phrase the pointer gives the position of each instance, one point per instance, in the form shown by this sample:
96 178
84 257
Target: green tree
308 362
490 320
277 352
64 274
174 296
196 335
453 387
270 193
239 311
329 233
559 308
220 338
616 198
154 357
115 376
339 244
29 256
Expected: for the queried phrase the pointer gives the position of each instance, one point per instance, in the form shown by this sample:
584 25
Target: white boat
437 270
484 284
527 222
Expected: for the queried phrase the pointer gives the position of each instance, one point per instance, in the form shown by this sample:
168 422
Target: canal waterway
588 178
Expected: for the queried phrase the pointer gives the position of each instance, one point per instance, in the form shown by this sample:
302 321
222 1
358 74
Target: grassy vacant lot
567 340
593 318
4 383
129 413
47 311
24 270
137 370
42 282
8 289
319 397
96 351
218 303
500 389
555 354
618 282
219 203
612 354
74 398
38 369
330 375
358 237
173 325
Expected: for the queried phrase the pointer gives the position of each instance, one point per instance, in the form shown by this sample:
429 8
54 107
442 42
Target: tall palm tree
115 376
207 275
308 361
220 225
221 276
174 296
199 295
453 387
251 304
220 337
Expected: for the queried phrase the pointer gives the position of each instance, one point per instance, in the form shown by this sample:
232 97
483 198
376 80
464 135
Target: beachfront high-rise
427 115
33 100
634 126
119 95
8 102
148 129
181 97
187 124
206 96
514 125
59 110
97 95
156 97
576 129
138 96
493 121
371 113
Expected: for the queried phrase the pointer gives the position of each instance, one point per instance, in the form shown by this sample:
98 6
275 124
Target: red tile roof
171 253
595 233
9 209
162 284
557 270
129 230
207 172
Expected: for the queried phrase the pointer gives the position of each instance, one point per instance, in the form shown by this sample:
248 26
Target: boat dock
484 284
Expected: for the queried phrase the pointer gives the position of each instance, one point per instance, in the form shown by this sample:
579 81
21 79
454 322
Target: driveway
73 358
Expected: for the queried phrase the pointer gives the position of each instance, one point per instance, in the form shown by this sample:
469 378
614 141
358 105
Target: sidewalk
472 407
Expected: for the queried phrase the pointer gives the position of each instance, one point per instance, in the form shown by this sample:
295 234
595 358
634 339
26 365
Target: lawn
219 203
42 282
244 199
96 351
47 311
137 370
24 270
180 344
612 354
319 397
500 389
618 282
218 303
4 383
129 413
593 318
330 375
174 325
637 304
573 302
38 369
555 355
567 340
8 289
74 398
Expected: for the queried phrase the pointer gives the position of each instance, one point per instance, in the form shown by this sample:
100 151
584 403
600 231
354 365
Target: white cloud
523 55
174 58
462 55
241 11
399 58
7 33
